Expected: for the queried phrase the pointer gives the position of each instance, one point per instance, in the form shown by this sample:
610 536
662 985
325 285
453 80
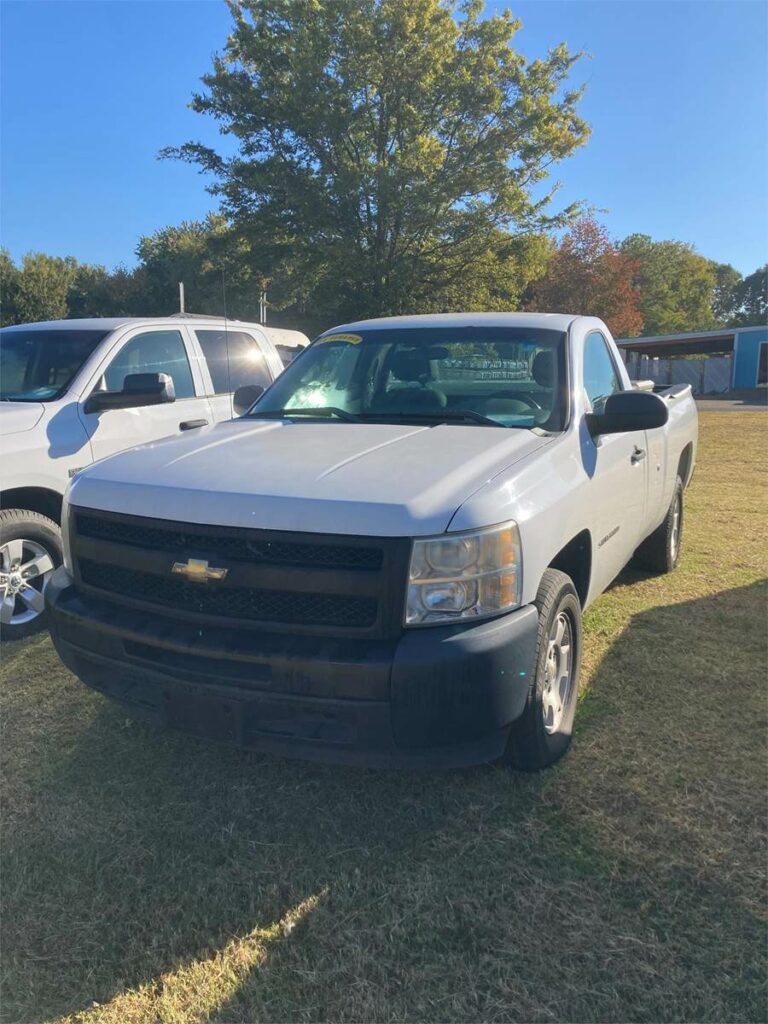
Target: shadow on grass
604 889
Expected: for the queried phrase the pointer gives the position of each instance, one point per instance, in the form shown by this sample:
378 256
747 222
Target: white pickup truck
75 391
387 558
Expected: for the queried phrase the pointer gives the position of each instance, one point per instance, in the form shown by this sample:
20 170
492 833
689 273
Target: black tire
660 552
21 524
536 740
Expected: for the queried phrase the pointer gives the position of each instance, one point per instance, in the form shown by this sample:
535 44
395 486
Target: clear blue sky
677 98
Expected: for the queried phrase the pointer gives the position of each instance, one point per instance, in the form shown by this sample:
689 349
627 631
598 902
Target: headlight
464 575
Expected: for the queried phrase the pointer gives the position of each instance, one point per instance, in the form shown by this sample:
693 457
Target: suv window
153 352
234 358
600 377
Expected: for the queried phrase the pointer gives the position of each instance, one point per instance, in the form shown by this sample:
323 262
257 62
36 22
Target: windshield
510 377
37 365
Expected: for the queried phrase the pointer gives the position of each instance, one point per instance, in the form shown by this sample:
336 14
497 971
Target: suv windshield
37 365
509 377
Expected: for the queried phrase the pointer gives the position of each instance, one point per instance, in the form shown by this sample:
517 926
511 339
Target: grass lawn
149 877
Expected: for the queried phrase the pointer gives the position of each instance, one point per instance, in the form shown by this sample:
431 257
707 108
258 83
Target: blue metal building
732 359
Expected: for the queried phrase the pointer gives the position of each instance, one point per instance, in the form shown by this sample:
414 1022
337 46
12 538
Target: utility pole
181 297
263 283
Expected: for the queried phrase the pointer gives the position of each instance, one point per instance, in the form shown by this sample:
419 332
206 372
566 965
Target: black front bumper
440 696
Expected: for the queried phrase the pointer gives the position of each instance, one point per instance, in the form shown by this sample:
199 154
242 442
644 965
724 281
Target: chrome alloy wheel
25 567
557 673
677 517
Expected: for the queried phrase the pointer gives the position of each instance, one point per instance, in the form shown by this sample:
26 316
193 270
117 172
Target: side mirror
627 411
245 396
139 389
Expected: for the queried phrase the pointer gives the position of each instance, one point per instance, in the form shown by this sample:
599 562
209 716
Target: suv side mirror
627 411
245 396
139 389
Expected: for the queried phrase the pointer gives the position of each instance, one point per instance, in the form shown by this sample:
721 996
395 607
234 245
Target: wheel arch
685 464
34 499
575 560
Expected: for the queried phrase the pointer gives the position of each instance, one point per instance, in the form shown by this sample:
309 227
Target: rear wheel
542 734
30 550
660 552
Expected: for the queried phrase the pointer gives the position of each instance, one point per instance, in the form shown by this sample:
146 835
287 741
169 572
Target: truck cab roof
552 321
111 323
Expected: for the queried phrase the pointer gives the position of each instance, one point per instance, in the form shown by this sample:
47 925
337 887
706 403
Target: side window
600 377
152 352
234 358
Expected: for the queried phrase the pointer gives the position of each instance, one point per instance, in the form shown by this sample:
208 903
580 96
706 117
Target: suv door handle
637 455
191 424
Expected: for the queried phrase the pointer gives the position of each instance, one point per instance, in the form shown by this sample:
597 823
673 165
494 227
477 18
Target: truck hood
367 479
16 417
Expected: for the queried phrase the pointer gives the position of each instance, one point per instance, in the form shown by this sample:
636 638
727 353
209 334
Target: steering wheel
518 396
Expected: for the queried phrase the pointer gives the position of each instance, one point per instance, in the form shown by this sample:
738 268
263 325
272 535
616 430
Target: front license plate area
203 714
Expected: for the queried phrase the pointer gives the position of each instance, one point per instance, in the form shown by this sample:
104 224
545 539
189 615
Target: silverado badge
198 571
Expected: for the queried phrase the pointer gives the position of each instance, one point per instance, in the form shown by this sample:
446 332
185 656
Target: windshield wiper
459 415
468 414
289 414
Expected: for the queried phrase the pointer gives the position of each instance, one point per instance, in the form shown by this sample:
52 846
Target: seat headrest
543 369
410 364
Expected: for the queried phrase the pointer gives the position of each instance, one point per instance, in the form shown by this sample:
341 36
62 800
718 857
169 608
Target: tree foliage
589 274
727 279
96 291
751 299
212 261
740 301
385 151
9 289
586 273
676 283
38 289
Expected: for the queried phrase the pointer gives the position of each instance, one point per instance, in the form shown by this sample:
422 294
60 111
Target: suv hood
16 417
366 479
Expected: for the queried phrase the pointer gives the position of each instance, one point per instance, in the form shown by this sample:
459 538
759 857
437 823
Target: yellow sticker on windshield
349 339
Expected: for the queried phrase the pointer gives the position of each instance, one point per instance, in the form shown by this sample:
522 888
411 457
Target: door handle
191 424
637 455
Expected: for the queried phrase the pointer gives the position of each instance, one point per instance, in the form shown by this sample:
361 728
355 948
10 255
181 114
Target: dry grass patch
155 878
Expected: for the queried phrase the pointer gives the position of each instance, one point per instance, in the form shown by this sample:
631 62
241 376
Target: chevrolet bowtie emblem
198 571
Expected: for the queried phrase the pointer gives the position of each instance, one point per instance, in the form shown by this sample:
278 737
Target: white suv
75 391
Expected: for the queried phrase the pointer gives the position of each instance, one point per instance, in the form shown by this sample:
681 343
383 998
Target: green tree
724 295
43 284
676 284
96 291
9 289
383 148
752 299
215 264
495 280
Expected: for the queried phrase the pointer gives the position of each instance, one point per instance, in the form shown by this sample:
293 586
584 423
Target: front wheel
542 734
30 549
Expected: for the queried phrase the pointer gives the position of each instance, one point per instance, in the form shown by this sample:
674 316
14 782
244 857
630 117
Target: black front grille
295 581
231 602
224 542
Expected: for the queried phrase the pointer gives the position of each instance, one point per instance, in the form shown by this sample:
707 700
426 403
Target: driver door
159 350
618 470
